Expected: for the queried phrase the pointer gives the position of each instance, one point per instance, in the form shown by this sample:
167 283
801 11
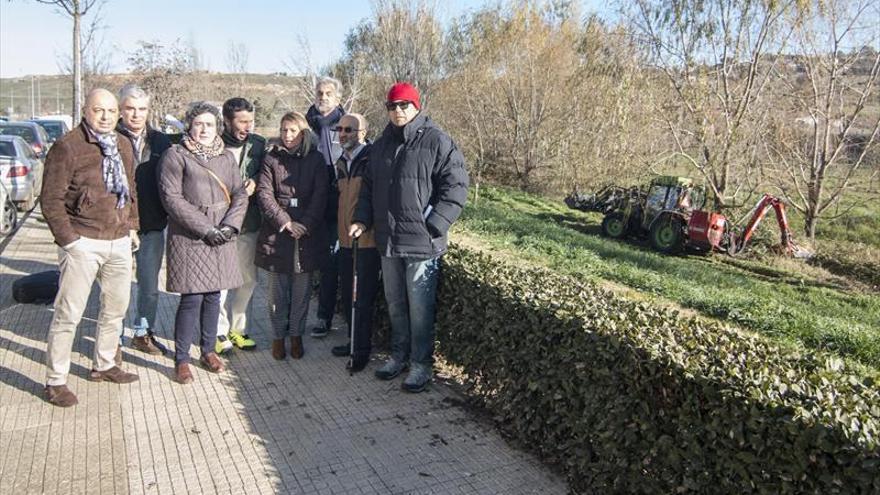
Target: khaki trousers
81 263
239 299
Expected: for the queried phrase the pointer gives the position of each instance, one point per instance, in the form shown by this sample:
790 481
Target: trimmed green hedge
631 398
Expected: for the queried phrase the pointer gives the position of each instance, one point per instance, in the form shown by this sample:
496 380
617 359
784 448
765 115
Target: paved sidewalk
261 427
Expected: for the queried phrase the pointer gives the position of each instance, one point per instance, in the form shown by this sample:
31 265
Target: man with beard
248 149
323 116
351 168
148 145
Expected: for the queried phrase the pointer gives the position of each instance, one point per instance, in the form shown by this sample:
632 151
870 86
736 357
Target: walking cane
354 298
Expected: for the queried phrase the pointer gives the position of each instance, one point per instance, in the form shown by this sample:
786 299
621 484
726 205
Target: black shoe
321 329
341 350
358 363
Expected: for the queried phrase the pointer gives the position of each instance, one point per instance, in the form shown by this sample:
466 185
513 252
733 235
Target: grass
780 301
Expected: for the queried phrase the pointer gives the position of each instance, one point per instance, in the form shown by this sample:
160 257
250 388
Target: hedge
631 398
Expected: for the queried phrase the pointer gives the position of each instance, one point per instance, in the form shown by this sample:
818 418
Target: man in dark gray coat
415 188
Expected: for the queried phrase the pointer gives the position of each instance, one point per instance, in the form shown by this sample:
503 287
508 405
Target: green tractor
670 214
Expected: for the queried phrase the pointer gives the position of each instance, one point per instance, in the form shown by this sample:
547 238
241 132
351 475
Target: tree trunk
77 66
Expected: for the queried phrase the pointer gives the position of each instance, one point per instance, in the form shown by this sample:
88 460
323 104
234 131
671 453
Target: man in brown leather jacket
89 202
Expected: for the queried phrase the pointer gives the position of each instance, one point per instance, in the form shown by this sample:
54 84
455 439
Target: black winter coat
151 213
414 190
292 187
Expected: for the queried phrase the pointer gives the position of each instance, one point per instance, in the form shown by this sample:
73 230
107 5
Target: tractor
671 214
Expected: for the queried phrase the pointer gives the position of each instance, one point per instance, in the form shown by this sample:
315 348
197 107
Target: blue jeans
411 293
196 317
149 262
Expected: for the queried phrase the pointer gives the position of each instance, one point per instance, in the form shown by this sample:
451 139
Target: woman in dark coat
292 194
201 188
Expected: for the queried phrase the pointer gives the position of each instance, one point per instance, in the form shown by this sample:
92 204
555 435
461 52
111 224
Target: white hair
329 81
132 90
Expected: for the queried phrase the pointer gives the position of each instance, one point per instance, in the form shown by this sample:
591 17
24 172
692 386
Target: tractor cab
671 194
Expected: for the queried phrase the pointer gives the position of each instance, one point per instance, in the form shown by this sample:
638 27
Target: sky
33 36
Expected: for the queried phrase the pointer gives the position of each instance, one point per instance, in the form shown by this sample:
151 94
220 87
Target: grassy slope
781 303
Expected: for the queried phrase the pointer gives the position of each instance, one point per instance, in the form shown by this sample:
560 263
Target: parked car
21 171
31 132
8 214
54 128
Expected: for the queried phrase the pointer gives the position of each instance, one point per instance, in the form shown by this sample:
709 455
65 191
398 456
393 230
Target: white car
21 171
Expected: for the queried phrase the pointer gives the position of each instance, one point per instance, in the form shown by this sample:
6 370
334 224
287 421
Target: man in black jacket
148 145
323 116
415 189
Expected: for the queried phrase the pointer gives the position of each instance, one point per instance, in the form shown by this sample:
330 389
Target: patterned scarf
112 168
202 151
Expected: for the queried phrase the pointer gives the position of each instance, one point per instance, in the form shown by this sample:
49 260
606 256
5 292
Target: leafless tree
76 10
827 125
163 71
95 59
714 56
237 56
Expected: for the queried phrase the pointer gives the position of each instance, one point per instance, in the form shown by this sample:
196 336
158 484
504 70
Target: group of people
225 202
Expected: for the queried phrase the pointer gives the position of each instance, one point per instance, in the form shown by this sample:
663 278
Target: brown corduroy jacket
74 199
349 183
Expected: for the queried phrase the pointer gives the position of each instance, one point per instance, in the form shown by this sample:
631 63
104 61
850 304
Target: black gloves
228 232
215 237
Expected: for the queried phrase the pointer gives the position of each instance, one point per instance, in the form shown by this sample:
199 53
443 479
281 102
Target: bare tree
827 126
163 71
76 10
237 56
714 56
95 60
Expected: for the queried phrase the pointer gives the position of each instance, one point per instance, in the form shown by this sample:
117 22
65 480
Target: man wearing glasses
350 170
414 190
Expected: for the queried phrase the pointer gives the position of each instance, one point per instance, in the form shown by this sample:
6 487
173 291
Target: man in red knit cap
415 188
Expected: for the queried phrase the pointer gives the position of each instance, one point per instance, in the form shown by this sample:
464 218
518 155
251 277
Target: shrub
631 398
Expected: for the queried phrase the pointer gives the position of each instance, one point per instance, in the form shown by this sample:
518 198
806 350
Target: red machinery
787 245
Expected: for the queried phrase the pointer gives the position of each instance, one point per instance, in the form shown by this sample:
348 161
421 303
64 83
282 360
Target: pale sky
33 36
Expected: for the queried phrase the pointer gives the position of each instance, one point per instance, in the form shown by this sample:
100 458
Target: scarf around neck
112 168
323 127
202 151
232 141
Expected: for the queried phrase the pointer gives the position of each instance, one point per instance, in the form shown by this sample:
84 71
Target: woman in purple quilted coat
201 189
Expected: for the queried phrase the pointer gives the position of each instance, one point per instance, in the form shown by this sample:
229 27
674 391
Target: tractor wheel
668 234
614 226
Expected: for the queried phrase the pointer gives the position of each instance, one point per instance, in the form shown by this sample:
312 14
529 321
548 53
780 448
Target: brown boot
212 363
182 373
145 344
60 395
118 357
114 374
278 351
296 347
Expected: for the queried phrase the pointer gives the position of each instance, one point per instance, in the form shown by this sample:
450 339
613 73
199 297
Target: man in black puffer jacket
415 188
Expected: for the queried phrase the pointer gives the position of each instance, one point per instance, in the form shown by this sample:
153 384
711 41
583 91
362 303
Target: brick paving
263 426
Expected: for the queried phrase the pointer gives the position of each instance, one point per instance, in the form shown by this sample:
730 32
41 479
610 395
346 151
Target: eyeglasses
346 130
403 105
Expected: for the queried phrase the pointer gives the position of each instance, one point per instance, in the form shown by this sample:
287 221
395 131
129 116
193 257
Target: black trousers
329 278
197 315
369 266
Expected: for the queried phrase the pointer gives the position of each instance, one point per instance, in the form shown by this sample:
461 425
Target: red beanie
404 92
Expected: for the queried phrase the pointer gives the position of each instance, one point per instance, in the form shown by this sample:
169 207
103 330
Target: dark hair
198 108
237 104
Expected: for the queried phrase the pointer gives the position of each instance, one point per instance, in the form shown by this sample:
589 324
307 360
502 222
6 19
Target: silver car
21 171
